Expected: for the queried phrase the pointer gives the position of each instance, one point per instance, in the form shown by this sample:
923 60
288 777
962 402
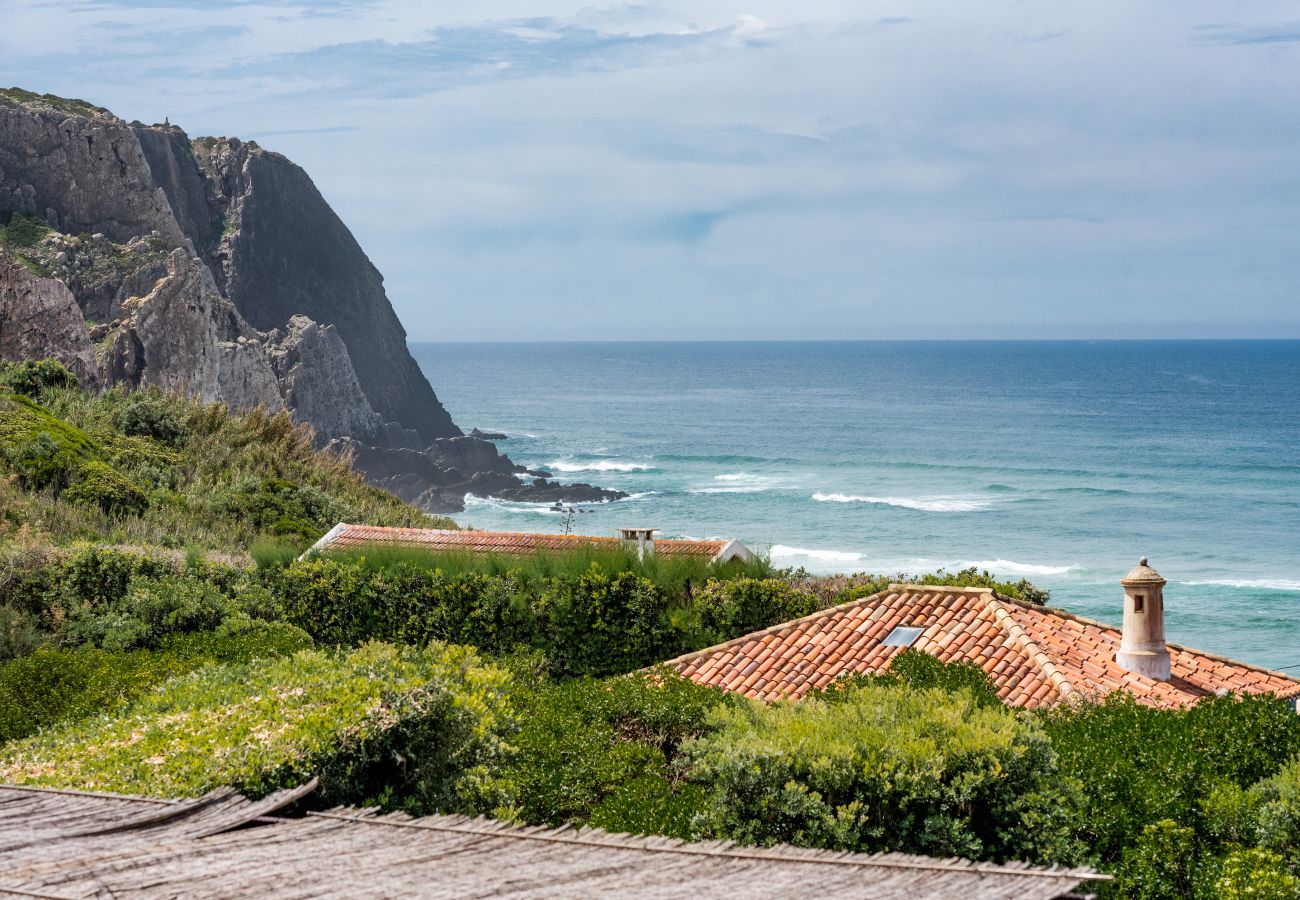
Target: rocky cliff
140 257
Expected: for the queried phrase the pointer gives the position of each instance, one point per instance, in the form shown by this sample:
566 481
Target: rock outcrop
216 268
40 317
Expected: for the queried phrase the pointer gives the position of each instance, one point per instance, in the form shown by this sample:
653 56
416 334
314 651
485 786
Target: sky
760 169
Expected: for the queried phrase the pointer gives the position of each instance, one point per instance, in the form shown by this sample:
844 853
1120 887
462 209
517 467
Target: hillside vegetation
157 469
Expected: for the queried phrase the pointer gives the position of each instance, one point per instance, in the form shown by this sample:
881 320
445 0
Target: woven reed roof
346 536
1034 655
62 844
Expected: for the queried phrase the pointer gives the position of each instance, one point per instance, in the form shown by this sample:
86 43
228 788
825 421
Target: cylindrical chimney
1142 646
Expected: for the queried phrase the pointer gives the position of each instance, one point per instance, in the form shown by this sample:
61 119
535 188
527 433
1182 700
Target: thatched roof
64 844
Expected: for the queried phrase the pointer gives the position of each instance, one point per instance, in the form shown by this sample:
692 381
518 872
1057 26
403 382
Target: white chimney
1142 646
644 538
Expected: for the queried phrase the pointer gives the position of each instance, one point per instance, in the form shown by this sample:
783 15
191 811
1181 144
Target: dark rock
489 435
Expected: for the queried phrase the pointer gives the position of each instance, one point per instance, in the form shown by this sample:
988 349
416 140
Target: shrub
1139 766
32 377
151 414
101 485
20 633
602 752
151 610
886 767
1278 811
729 609
1256 875
23 231
921 670
1163 863
53 686
415 728
598 623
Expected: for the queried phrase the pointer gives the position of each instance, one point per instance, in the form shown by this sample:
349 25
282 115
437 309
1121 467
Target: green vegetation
152 468
887 767
52 686
345 717
607 753
63 104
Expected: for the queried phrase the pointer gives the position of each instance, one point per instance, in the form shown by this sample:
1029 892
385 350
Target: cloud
1237 34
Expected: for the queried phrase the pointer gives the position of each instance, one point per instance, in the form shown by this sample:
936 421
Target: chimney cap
637 532
1142 574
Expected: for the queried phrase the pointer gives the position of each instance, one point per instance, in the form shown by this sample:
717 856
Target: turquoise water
1062 462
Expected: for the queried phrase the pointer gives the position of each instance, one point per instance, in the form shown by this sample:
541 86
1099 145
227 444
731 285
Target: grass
673 573
171 471
270 724
63 104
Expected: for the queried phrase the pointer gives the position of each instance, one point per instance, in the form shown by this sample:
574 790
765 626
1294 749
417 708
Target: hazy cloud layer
750 169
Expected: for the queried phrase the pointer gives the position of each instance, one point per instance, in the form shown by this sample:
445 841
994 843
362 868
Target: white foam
925 504
510 506
1268 584
736 483
839 556
1011 567
597 465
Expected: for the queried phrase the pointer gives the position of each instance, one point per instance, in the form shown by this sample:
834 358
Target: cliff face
284 252
139 257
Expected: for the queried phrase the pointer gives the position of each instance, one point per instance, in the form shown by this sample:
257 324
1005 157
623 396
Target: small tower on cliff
1142 647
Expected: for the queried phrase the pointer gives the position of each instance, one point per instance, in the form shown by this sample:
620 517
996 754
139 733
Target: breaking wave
569 466
781 551
925 504
736 483
1267 584
1011 567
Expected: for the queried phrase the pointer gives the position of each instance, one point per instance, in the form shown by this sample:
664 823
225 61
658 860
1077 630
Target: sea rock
489 435
40 317
185 336
319 383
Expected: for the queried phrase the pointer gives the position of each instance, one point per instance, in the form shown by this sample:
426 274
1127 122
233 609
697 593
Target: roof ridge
1022 641
884 593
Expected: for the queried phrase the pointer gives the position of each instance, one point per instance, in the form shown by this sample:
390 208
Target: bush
20 633
1163 863
1277 801
151 414
729 609
282 508
51 686
32 377
1256 875
1139 765
602 753
598 623
399 727
101 485
886 767
151 610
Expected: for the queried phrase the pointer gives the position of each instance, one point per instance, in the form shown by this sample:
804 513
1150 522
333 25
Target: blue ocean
1062 462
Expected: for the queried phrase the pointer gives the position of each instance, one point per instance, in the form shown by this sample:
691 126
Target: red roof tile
350 537
1033 655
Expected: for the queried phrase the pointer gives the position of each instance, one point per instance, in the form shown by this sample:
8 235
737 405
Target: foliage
401 727
63 104
738 606
1139 765
52 686
1256 875
886 767
603 753
155 468
920 670
31 377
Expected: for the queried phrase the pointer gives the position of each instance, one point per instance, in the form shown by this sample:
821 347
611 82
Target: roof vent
902 636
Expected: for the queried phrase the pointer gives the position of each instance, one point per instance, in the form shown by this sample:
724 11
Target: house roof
346 536
67 844
1034 655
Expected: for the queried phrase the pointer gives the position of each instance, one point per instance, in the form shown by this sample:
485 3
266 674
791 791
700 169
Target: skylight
902 636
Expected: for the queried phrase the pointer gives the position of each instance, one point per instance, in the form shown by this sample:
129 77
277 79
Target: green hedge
886 767
415 728
604 753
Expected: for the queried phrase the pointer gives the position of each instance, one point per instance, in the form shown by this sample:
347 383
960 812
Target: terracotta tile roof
510 543
1034 655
